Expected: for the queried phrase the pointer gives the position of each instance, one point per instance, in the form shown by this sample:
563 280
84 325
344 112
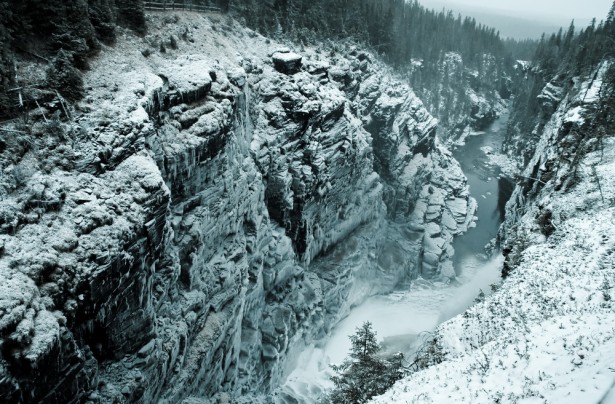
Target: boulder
550 97
287 63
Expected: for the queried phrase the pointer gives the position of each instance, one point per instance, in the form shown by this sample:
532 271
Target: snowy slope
547 334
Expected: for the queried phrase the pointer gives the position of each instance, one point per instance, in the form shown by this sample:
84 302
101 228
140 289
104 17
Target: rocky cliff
464 99
206 210
546 333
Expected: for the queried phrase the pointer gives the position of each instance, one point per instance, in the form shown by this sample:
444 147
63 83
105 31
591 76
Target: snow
287 57
548 333
575 115
47 334
507 165
551 92
423 306
610 397
16 293
476 100
522 64
592 87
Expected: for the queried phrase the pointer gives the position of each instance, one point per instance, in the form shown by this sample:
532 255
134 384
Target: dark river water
486 186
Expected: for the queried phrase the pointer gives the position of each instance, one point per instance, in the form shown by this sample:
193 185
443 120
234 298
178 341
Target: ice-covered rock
209 219
550 97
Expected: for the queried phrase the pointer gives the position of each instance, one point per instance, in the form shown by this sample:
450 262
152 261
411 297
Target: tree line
558 58
397 29
417 41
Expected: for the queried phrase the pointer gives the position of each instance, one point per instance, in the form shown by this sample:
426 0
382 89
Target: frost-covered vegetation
364 374
557 62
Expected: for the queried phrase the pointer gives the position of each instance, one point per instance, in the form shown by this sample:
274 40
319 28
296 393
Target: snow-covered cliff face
547 332
204 214
464 99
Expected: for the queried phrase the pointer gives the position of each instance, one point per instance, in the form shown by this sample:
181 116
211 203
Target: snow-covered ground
548 333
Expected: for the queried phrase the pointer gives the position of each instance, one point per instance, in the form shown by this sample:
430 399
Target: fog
526 18
544 9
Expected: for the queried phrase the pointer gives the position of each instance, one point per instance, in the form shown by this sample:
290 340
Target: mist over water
401 318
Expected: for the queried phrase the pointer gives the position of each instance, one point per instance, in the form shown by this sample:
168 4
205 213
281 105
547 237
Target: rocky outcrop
210 218
550 97
286 62
546 331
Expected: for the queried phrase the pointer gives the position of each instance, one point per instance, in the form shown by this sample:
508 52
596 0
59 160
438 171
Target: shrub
65 78
172 42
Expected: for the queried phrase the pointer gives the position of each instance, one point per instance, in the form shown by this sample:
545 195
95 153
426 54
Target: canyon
207 212
221 205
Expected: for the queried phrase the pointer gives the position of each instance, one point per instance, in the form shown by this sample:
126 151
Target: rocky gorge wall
545 333
463 98
203 214
574 124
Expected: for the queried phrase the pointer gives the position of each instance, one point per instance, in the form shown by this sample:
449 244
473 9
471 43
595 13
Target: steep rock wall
576 126
464 99
207 217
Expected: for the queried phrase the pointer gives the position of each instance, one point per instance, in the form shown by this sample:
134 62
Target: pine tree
611 15
132 13
73 32
102 16
64 77
7 66
363 374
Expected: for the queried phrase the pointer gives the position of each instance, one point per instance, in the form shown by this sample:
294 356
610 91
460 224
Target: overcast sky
547 10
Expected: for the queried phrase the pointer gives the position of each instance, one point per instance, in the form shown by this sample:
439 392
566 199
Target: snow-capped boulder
287 62
550 97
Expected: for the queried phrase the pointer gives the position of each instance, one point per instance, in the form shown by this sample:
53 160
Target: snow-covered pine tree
364 374
611 15
132 13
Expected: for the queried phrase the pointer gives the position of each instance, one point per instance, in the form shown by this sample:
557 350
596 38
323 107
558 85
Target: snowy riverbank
548 334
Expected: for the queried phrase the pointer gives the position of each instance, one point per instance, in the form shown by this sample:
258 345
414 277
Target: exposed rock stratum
208 214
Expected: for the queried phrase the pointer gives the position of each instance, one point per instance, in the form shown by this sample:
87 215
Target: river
401 318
